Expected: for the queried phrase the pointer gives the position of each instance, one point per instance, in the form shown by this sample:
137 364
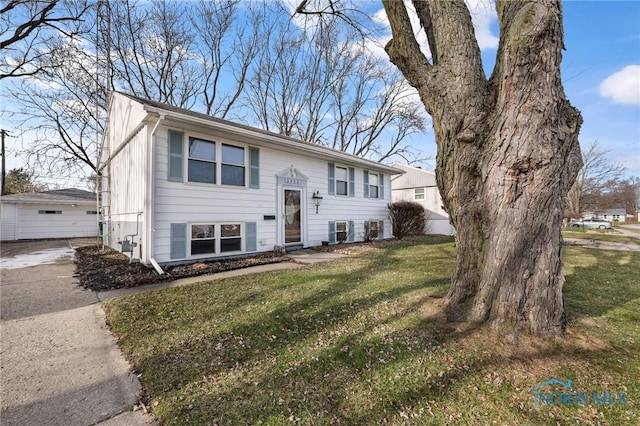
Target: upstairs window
374 189
232 165
418 194
202 160
342 181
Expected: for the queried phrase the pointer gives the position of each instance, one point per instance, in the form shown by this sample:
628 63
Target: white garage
62 213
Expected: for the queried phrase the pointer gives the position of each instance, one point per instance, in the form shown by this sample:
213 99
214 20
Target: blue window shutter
366 183
381 229
352 182
175 156
332 179
178 240
332 232
251 236
351 234
366 228
381 185
254 168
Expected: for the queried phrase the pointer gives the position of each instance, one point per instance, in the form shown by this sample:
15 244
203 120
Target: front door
292 216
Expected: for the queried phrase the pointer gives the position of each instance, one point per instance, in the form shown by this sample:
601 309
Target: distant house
420 186
179 186
612 215
62 213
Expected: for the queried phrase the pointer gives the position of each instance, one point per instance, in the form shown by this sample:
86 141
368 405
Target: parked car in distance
592 223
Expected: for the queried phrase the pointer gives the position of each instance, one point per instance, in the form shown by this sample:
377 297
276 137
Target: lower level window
203 239
341 232
230 238
215 238
372 232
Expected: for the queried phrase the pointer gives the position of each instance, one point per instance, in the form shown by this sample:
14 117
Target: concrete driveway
59 363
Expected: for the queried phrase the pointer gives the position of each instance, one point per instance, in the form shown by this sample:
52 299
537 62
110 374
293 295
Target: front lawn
362 341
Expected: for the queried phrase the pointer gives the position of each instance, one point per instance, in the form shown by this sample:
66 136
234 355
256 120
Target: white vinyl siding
27 221
199 203
9 218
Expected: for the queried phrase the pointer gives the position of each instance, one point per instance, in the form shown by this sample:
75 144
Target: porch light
317 199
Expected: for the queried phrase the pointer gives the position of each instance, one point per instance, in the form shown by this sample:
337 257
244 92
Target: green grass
599 235
361 341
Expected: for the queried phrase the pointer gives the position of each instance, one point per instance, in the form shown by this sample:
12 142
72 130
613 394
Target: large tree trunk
507 155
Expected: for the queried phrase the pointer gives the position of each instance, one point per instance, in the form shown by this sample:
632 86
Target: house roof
413 177
259 136
56 196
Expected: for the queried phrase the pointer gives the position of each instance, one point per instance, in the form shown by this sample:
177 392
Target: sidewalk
301 258
60 364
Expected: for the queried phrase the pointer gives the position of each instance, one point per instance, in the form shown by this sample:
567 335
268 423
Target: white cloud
483 14
623 87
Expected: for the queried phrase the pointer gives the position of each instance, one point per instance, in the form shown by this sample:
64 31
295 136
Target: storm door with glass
292 216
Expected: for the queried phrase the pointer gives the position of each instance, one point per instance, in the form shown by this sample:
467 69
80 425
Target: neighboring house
420 186
612 215
179 186
62 213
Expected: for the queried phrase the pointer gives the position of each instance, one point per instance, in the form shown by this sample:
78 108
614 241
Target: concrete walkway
300 259
60 365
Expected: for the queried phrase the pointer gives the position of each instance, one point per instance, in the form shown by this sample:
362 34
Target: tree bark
508 154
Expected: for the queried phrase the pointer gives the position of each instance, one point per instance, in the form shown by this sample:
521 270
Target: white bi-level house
179 186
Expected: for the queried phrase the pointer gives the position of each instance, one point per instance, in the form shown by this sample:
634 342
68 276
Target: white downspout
150 204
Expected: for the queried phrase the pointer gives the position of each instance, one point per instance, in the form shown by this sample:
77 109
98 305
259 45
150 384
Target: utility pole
4 175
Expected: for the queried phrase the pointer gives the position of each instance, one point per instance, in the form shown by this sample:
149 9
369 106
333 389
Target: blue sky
601 71
602 38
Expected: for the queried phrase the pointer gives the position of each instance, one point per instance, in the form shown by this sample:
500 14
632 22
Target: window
203 239
341 232
49 211
371 229
230 238
342 181
232 165
373 185
202 161
418 194
92 212
215 238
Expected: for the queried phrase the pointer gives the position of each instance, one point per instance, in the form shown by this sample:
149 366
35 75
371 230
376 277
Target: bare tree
597 173
508 154
151 51
31 29
318 86
227 46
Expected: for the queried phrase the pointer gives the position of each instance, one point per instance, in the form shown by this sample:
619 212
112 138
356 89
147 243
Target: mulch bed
101 269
